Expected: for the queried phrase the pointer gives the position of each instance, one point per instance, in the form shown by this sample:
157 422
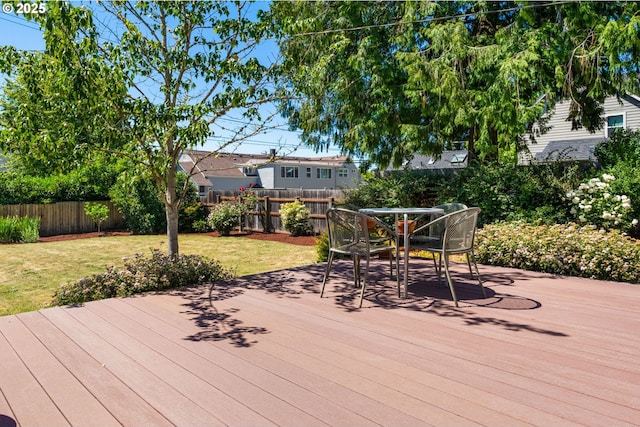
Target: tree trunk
172 228
171 208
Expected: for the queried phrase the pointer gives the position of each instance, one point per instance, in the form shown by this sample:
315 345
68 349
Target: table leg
406 253
397 255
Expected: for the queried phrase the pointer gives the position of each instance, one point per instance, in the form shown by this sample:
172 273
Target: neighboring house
230 171
562 143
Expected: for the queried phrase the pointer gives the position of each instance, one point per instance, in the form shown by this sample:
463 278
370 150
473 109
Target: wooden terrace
266 350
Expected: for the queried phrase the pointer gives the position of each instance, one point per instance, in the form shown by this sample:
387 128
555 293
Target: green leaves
428 73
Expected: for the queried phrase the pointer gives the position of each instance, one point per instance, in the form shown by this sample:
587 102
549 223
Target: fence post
267 215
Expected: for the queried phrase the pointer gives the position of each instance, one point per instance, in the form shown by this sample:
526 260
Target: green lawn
30 273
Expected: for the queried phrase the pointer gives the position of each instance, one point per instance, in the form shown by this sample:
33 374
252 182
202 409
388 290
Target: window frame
284 172
607 128
320 170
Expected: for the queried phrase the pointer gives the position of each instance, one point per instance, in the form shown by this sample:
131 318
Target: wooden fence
268 220
63 217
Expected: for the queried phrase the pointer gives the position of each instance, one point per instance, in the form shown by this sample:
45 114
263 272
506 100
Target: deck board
265 350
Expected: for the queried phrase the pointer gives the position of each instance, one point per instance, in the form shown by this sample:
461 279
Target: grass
30 273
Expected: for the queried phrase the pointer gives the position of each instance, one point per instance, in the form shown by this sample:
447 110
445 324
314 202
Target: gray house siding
560 140
314 175
267 177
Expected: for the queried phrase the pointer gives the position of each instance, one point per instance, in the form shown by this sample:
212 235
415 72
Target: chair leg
397 256
448 274
438 266
364 284
326 273
484 293
356 270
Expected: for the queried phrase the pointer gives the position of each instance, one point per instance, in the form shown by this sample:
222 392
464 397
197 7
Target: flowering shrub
141 275
567 249
593 203
247 199
295 218
224 217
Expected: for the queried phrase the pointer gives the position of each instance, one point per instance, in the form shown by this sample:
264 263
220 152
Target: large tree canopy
48 125
169 72
385 80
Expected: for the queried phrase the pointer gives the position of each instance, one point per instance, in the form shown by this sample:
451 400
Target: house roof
231 164
449 159
578 149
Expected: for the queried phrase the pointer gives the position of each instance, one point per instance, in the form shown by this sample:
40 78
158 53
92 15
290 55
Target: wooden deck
266 350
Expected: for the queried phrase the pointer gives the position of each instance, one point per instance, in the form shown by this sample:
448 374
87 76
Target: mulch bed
274 237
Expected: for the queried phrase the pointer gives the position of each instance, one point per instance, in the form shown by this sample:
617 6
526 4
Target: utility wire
431 19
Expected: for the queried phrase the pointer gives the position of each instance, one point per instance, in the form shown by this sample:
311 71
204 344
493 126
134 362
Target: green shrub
29 230
295 218
19 230
142 275
628 182
85 184
322 247
566 249
623 147
505 193
224 217
192 217
398 189
200 226
136 197
531 193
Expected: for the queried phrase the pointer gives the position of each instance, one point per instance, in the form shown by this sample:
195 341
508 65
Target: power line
23 24
428 20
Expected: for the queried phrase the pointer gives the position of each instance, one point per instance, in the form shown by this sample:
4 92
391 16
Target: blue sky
16 31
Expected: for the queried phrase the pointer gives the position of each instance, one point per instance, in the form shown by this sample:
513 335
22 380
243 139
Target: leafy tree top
389 79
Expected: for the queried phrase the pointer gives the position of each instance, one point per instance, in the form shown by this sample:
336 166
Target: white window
615 121
308 172
324 173
458 158
289 171
343 172
250 171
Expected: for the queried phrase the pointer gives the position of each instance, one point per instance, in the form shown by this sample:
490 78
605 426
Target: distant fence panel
317 201
63 217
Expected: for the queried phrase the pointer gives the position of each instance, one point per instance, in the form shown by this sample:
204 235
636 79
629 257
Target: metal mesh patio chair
458 237
436 230
351 233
